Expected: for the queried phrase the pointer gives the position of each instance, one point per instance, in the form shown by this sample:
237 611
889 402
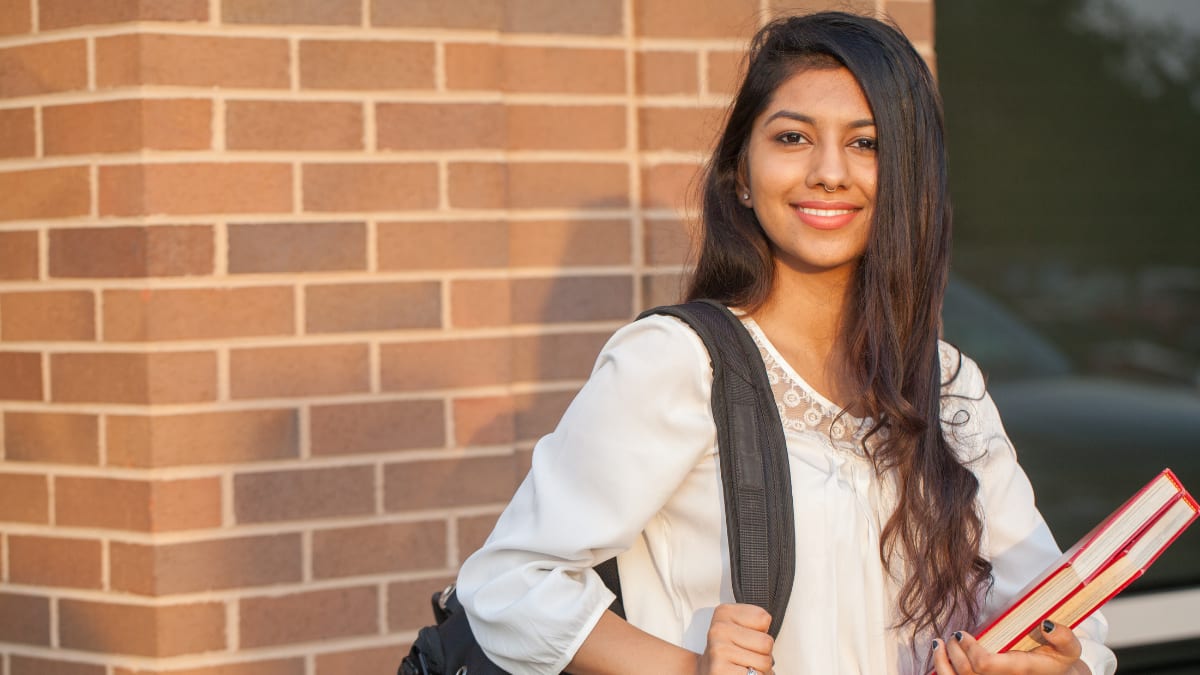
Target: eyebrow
788 114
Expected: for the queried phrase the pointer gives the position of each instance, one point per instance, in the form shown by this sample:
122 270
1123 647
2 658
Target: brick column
289 289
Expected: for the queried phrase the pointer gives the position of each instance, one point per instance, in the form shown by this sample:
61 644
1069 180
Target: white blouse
631 470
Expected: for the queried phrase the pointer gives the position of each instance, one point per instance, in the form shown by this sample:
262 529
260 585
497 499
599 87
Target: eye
790 138
869 144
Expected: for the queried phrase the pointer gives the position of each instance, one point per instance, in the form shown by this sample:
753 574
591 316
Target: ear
743 185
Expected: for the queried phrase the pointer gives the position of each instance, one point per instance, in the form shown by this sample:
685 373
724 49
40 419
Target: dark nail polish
958 635
1047 626
936 644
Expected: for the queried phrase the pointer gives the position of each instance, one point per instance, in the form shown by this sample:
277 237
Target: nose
828 168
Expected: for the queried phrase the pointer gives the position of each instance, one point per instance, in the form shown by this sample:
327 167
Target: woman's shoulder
656 344
961 376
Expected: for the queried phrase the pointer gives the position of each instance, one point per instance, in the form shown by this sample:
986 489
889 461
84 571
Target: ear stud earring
745 195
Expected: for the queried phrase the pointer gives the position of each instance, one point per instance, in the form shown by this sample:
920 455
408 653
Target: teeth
826 212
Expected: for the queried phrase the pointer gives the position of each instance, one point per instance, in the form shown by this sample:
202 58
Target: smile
826 215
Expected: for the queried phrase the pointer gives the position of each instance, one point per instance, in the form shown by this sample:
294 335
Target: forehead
821 93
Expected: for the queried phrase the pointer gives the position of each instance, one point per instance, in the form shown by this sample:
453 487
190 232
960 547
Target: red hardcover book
1099 566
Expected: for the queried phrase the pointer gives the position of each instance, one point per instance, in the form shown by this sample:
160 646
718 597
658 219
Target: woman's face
810 171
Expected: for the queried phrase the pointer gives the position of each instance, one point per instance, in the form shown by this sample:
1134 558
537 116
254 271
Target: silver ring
751 671
827 190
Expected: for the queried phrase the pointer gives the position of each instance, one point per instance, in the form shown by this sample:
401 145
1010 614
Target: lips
823 215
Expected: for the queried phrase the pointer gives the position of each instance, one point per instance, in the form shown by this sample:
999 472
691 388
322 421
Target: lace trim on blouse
802 409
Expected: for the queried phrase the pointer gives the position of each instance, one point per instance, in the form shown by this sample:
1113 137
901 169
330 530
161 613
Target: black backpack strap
754 462
608 574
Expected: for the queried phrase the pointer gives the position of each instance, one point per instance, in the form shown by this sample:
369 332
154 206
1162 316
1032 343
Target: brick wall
288 288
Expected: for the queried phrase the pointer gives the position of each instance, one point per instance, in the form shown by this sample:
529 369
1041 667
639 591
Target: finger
750 616
730 633
941 659
956 650
1061 638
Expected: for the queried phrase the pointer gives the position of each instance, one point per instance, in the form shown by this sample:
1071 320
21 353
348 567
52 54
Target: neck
804 316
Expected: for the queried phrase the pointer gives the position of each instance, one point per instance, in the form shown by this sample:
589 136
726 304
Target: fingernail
958 635
936 644
1047 626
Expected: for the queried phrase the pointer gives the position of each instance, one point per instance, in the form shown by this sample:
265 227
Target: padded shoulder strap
754 462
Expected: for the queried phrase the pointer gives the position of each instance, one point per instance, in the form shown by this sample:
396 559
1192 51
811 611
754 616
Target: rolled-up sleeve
1017 540
637 427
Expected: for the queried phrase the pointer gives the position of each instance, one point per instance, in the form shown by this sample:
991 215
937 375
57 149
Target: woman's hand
737 641
1058 655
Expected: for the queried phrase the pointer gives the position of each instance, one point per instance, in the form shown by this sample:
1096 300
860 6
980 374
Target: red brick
292 666
667 242
293 125
538 414
360 64
24 619
120 252
125 377
808 6
28 665
443 245
24 498
408 604
577 185
471 14
138 505
559 127
307 617
440 126
444 483
662 289
598 17
664 73
485 420
914 18
473 66
387 426
58 192
725 70
239 436
60 438
284 372
297 247
140 630
127 126
670 186
568 299
199 566
379 549
16 16
373 660
47 316
190 60
19 255
43 68
688 129
705 18
478 303
375 186
473 531
560 243
17 137
22 379
54 561
310 12
445 364
564 70
231 187
197 314
336 308
556 356
55 14
303 494
478 185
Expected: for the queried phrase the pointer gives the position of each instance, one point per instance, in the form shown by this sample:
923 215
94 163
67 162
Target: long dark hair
891 328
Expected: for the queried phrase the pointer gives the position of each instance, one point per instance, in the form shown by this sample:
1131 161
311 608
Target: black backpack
757 486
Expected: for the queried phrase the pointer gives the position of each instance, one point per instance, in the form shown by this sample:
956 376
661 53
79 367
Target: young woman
827 228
